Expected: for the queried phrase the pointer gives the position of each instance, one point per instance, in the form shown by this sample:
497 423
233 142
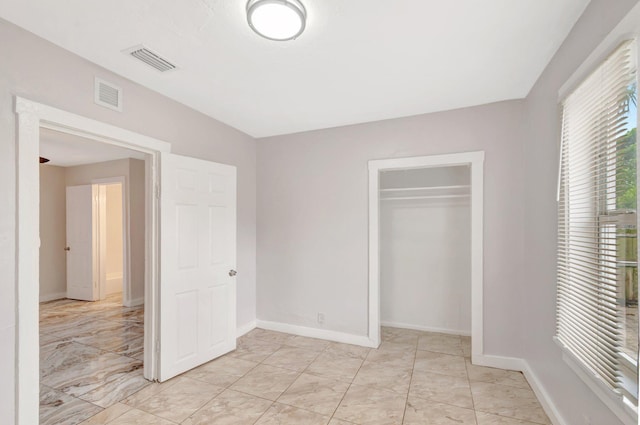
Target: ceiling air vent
152 59
107 95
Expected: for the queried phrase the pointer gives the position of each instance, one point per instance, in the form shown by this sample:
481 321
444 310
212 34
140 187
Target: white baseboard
113 285
245 329
50 297
521 365
499 362
545 400
134 302
425 328
329 335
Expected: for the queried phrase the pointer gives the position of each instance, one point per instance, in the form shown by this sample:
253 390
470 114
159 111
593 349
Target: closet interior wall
425 249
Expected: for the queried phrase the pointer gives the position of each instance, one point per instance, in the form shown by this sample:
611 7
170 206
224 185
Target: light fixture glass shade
278 20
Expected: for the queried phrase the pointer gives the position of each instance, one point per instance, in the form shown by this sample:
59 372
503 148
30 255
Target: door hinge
157 191
157 346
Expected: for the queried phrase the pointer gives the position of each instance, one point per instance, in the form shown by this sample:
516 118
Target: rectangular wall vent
150 58
107 95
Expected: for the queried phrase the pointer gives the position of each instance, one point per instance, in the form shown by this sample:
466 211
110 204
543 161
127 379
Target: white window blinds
591 219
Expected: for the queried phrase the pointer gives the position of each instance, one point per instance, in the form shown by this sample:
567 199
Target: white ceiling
68 150
357 61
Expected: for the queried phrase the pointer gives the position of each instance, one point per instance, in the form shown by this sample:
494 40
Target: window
597 295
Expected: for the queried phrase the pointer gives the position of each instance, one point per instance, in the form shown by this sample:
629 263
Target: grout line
473 404
349 387
406 401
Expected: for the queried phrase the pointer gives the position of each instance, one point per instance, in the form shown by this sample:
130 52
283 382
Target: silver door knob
232 273
67 248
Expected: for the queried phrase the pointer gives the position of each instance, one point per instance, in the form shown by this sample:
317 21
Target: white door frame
475 160
31 117
126 241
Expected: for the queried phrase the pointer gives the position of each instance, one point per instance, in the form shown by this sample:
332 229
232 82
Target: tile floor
90 357
275 378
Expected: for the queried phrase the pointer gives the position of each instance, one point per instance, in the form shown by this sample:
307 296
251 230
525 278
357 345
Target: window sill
620 406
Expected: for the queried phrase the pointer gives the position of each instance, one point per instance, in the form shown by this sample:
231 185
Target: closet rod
403 189
400 198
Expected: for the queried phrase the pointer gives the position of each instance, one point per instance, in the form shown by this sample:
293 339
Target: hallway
91 357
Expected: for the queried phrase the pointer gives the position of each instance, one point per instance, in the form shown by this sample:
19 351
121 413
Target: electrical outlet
321 318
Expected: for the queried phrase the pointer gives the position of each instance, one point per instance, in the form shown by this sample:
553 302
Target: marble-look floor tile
441 343
496 376
59 355
465 341
107 415
222 372
57 408
393 355
445 364
335 366
441 388
84 353
347 350
179 401
77 370
280 414
270 336
149 391
118 340
254 349
291 358
313 344
400 336
314 393
503 400
384 376
133 315
138 417
488 419
371 406
115 387
424 412
265 381
336 421
79 327
230 408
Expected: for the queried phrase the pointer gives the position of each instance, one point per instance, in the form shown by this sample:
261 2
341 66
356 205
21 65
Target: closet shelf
402 198
408 189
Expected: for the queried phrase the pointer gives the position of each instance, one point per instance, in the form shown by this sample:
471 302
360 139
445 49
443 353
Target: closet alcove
425 249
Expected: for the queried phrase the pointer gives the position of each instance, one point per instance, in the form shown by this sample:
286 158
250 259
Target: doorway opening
32 118
91 276
432 192
425 249
198 201
112 237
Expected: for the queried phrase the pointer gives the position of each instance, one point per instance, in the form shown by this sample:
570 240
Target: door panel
198 249
81 234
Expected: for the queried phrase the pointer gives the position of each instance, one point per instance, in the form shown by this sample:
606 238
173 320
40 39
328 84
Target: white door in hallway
198 255
81 234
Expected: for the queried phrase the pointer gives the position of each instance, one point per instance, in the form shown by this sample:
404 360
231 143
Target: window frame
628 28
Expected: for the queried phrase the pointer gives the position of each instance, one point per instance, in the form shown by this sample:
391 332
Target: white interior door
198 255
81 234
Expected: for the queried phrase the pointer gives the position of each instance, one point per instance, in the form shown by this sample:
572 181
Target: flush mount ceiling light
278 20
